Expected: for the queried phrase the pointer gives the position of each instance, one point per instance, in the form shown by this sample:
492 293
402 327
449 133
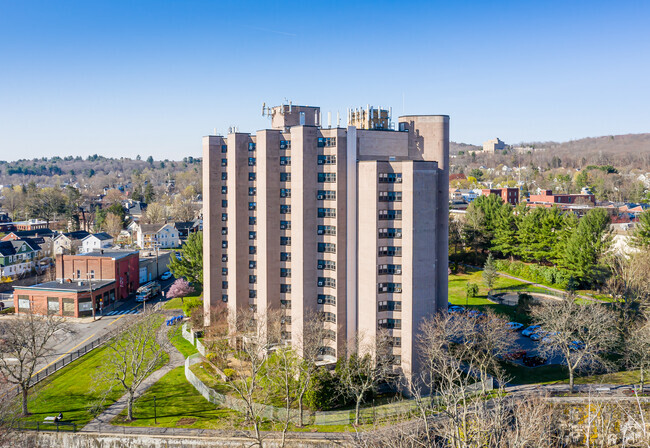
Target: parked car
515 326
455 309
533 361
166 276
475 313
538 335
548 337
530 330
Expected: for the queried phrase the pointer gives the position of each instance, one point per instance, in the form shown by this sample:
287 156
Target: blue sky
122 78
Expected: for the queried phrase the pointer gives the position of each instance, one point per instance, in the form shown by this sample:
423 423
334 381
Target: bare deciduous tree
155 213
136 352
26 341
113 224
308 345
638 349
254 335
368 364
577 333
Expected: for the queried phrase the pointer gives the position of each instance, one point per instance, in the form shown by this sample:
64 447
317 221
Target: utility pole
90 289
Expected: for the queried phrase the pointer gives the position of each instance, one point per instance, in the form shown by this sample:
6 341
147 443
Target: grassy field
72 391
178 404
181 344
75 390
177 303
457 296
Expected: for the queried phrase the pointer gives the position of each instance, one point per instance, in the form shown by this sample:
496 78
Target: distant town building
491 146
32 224
152 236
69 242
547 198
18 257
509 195
43 237
101 240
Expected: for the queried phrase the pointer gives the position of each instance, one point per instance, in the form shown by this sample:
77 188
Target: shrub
230 374
471 289
190 304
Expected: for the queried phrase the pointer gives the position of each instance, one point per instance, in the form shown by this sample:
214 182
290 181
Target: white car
166 276
514 326
531 330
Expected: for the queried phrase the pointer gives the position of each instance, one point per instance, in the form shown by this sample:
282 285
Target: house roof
71 286
77 235
182 225
109 253
47 233
8 248
154 228
101 236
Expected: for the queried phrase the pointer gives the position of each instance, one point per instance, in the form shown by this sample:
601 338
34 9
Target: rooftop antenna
338 119
329 119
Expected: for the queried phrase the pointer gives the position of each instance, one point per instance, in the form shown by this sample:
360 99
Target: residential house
152 236
69 242
134 209
43 237
185 228
18 257
101 240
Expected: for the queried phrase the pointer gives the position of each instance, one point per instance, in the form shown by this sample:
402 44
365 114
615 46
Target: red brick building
119 265
509 195
85 283
546 197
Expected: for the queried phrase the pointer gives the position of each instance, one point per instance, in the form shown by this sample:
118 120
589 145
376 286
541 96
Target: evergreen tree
585 246
569 225
190 265
505 232
149 194
641 235
528 233
490 274
545 243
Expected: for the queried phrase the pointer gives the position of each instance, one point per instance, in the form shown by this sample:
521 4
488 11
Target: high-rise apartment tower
348 222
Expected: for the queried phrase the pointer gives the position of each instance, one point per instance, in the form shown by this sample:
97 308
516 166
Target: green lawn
72 391
457 296
75 389
178 404
177 302
181 344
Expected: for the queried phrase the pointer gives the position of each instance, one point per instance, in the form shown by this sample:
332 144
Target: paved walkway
102 423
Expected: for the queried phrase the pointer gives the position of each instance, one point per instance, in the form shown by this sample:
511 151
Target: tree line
548 236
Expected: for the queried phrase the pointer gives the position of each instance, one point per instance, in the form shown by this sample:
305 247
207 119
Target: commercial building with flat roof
350 223
65 298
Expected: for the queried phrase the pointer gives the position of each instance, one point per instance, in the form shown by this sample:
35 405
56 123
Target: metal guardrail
45 426
70 357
